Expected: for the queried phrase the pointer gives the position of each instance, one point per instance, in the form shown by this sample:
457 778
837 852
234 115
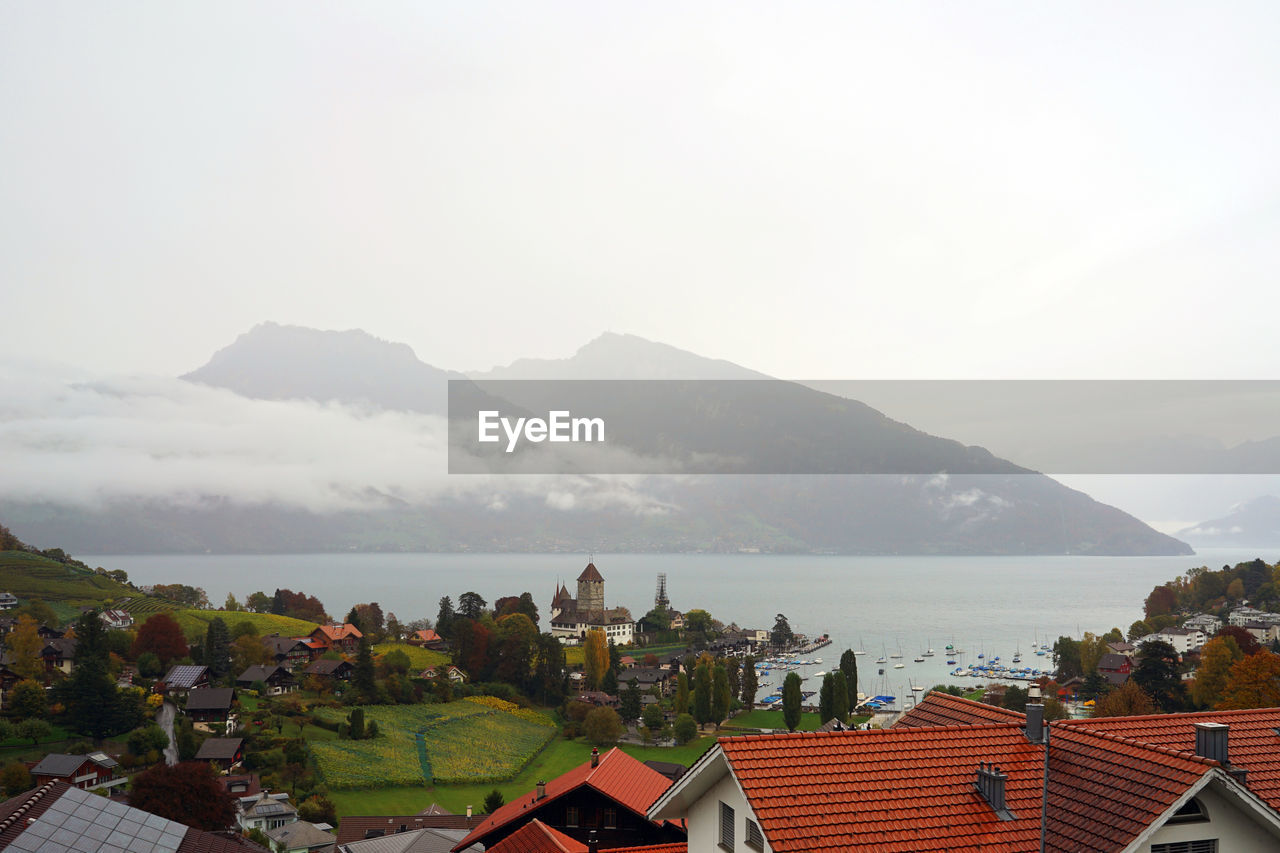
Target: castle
572 618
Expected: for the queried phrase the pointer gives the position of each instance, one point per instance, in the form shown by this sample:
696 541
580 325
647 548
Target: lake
996 605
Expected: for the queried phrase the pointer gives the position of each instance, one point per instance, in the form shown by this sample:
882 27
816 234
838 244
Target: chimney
468 812
1035 715
1211 742
593 842
595 756
990 785
542 790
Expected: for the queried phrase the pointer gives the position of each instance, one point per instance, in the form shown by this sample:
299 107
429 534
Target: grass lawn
196 622
419 658
762 719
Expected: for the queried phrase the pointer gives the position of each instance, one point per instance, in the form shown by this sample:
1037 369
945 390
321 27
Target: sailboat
859 650
898 653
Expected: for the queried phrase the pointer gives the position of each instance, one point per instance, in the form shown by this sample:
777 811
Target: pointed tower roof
590 573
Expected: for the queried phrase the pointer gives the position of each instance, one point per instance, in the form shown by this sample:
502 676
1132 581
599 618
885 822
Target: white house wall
1235 828
704 819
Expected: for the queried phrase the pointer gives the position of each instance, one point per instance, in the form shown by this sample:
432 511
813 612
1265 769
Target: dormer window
1191 812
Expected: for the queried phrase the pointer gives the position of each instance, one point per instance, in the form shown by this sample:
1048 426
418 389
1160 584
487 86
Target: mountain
791 445
1254 523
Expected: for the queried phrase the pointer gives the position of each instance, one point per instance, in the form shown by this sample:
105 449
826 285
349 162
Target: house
599 699
80 820
572 618
344 638
116 620
226 752
210 704
426 638
1121 648
241 784
94 770
606 797
8 601
957 775
647 677
288 652
360 827
455 675
59 654
8 678
1115 668
1205 622
1183 640
48 633
265 812
338 670
181 679
302 837
277 678
426 840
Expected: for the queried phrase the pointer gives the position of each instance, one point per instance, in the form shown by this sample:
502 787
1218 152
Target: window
1206 846
571 816
610 818
1191 812
726 826
755 838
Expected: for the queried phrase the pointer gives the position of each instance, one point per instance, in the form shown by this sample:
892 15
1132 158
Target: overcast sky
846 190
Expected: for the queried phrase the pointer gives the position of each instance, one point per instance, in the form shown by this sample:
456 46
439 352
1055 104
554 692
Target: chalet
958 775
301 837
8 601
183 678
59 654
426 638
94 770
338 670
647 677
210 704
454 674
288 652
58 816
265 812
8 678
344 638
226 752
116 620
603 800
599 699
49 633
277 678
1115 668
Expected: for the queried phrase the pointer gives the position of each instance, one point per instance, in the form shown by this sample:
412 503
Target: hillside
65 587
1254 523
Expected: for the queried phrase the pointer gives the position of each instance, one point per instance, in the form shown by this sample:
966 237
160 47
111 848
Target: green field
419 658
65 588
421 744
195 622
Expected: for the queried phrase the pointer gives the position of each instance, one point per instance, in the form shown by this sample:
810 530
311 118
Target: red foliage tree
299 605
1246 641
188 793
1162 600
162 636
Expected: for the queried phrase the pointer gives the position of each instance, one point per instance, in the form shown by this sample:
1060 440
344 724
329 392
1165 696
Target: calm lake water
997 605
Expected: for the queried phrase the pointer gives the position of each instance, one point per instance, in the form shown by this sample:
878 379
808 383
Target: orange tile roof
908 790
340 632
1253 741
943 709
536 837
623 779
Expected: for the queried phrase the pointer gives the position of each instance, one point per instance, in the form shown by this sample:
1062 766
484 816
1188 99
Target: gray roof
185 677
210 699
300 833
257 672
265 805
219 748
412 841
80 820
59 764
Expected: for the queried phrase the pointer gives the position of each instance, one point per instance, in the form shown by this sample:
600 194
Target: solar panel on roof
83 821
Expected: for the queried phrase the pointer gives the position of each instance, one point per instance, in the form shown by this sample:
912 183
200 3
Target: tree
685 728
1216 659
733 669
630 708
231 604
1127 700
1246 642
721 696
33 729
258 602
395 661
41 612
355 724
1015 699
28 699
1253 682
549 669
781 634
318 809
698 622
247 651
1066 654
493 801
702 694
652 717
93 701
839 696
445 617
602 726
1138 630
147 738
1235 590
1157 674
162 636
24 646
362 673
791 701
609 684
1092 648
595 658
749 683
471 605
15 778
1095 686
188 793
217 647
682 693
824 699
1163 600
849 666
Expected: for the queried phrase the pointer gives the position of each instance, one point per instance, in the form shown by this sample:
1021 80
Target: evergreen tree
444 618
781 635
682 693
278 603
630 708
791 701
749 683
493 801
825 701
839 696
732 669
849 666
609 684
362 674
1157 675
702 694
615 658
471 605
355 724
217 647
721 697
91 696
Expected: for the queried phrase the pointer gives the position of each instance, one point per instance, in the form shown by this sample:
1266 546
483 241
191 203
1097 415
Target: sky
847 190
844 190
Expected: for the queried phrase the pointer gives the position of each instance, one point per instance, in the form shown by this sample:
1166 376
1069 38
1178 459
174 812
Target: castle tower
590 590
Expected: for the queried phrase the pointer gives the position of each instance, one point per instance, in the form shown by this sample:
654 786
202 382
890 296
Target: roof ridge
33 799
1166 750
1186 714
903 732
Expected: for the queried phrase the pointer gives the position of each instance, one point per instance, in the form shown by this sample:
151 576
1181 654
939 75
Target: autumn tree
27 699
1163 600
602 726
24 644
188 793
1092 648
595 658
515 641
1216 658
1246 642
1253 682
1127 700
162 636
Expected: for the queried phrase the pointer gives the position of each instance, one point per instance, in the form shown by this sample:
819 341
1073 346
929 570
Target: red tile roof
427 635
943 709
335 633
591 573
621 778
909 790
536 837
1253 741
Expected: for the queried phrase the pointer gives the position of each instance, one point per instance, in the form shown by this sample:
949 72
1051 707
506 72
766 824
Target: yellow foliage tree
1216 660
1253 682
1128 700
596 657
24 646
